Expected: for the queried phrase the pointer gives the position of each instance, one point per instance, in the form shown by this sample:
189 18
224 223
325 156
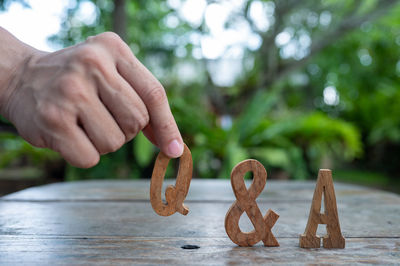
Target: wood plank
112 222
204 219
80 250
200 190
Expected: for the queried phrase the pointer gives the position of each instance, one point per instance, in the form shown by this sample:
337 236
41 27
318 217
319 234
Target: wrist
15 55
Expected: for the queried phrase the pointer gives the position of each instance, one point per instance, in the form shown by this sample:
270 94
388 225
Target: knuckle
107 38
51 115
80 156
110 36
116 142
156 96
90 39
88 161
70 87
42 141
168 127
83 50
114 42
133 128
52 143
38 142
89 56
143 121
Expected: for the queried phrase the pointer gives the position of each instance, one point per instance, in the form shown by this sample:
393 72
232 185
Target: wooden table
112 222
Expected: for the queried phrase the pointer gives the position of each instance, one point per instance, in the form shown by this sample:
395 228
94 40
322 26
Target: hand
88 100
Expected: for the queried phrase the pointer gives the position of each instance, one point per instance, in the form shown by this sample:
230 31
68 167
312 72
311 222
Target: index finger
152 93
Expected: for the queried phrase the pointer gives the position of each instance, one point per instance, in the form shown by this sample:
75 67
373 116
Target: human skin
84 101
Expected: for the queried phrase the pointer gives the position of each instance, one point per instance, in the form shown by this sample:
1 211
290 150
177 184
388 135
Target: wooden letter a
333 238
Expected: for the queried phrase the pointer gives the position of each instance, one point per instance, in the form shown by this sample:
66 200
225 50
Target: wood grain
112 223
245 202
333 238
83 250
201 190
205 219
174 195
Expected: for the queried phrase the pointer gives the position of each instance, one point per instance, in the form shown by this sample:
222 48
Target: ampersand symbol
246 202
174 195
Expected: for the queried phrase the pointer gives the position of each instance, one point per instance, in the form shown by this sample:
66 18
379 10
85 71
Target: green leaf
276 157
143 150
254 112
234 155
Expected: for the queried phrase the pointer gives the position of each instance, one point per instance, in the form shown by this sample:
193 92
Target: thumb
149 133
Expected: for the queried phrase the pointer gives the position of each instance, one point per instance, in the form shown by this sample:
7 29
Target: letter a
333 238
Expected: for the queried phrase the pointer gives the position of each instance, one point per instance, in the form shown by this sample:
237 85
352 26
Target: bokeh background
297 85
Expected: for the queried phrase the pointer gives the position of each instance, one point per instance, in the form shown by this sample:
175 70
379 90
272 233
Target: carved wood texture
174 195
245 202
333 238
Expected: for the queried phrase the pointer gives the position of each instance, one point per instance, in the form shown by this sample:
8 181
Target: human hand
89 99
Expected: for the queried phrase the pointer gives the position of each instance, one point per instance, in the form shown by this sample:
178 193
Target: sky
34 25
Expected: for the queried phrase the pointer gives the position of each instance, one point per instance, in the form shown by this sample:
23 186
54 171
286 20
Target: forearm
13 54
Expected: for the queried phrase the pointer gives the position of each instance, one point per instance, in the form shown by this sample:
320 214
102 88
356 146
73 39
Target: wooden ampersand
333 238
174 195
246 202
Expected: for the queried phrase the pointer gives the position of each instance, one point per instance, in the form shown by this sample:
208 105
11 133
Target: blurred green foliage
333 103
18 151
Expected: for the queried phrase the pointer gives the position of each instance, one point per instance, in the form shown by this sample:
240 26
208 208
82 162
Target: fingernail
175 149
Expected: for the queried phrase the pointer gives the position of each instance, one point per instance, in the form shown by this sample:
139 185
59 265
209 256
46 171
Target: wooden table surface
112 222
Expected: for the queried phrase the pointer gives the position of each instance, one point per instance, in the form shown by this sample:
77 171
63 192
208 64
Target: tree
278 86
